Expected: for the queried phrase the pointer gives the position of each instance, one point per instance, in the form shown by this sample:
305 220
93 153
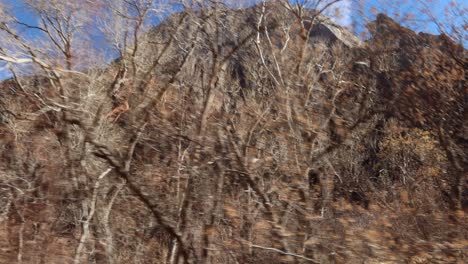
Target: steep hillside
262 135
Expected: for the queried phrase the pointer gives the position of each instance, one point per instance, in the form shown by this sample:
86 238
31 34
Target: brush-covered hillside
268 134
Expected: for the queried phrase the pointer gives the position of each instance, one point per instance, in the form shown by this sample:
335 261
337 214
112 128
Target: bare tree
215 135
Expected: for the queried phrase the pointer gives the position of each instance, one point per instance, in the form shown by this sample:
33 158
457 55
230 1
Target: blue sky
347 8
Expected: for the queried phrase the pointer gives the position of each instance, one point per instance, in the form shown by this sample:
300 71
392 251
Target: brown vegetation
258 135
